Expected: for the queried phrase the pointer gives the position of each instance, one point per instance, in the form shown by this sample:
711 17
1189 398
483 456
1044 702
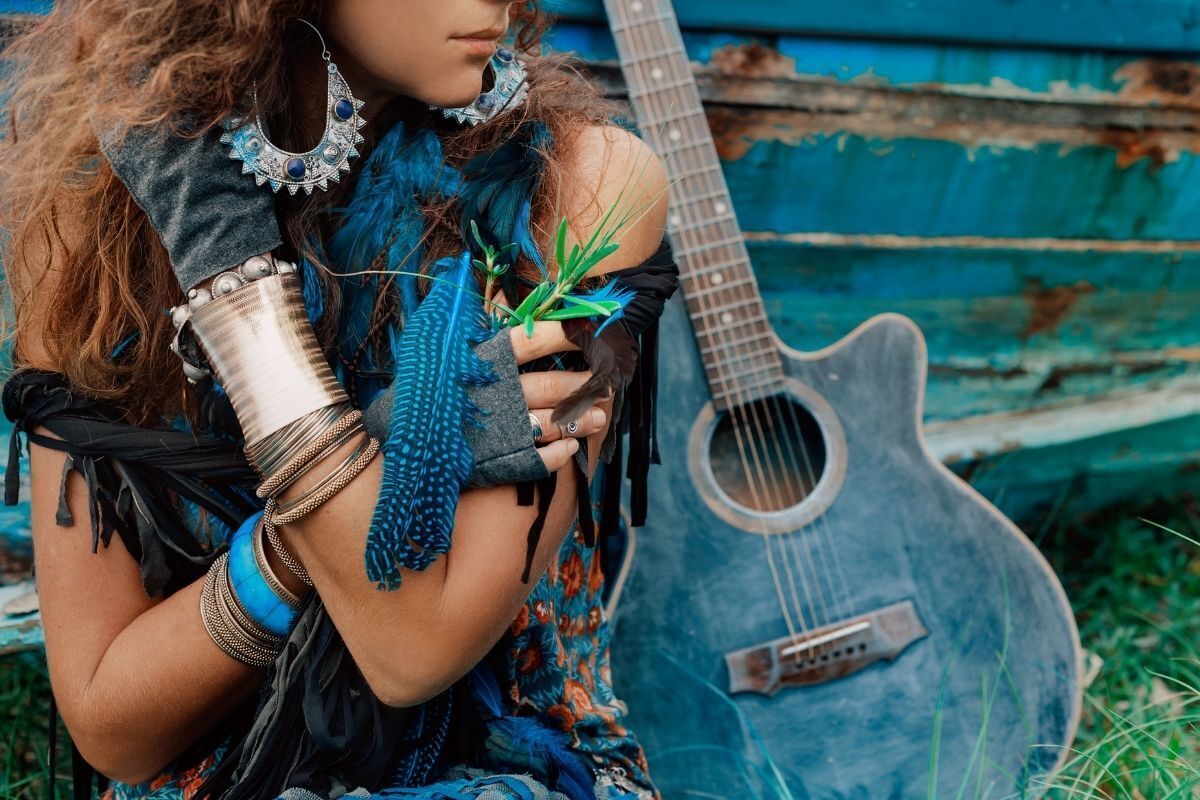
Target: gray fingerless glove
210 217
504 451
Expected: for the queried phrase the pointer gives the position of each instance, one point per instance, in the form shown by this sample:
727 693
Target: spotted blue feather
426 456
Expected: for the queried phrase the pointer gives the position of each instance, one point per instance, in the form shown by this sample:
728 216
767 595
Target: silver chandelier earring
249 144
508 91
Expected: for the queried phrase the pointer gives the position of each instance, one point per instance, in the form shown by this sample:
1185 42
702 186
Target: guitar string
838 586
647 101
818 610
738 409
823 540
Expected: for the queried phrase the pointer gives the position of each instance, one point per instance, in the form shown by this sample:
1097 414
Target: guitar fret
742 366
730 241
703 223
724 192
733 326
700 273
638 94
678 116
717 288
616 27
773 364
668 153
745 389
729 308
698 171
745 340
646 58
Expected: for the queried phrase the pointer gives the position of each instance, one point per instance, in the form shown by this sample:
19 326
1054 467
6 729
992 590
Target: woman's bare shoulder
605 165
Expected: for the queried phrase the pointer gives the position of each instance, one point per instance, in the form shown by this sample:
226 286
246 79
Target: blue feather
528 740
613 290
426 457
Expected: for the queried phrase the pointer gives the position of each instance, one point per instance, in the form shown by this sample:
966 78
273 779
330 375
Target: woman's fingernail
572 446
597 417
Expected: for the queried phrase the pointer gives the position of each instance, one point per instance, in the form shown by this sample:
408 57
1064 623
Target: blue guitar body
903 640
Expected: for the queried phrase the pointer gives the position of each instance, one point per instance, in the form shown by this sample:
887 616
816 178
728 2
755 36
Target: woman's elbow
407 682
108 755
403 689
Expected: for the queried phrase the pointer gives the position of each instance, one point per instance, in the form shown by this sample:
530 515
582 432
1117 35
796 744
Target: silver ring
572 426
536 425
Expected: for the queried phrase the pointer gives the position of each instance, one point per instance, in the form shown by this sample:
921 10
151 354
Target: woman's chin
459 97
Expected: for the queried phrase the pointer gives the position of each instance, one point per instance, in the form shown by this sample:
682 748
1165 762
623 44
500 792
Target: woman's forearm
413 642
137 720
136 679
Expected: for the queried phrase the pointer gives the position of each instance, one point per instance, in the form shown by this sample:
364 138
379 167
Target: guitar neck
725 307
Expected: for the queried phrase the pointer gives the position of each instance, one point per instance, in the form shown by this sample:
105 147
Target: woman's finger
548 338
557 455
546 389
589 422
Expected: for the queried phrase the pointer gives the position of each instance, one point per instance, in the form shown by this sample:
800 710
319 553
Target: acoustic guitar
817 607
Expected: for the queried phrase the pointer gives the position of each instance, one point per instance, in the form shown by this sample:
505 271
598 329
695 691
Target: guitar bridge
825 654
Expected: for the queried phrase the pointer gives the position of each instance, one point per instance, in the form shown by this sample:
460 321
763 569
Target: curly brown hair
66 213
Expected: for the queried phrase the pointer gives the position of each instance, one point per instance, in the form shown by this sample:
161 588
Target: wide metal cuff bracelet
260 345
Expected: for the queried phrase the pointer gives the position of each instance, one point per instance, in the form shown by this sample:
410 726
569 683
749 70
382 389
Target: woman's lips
477 46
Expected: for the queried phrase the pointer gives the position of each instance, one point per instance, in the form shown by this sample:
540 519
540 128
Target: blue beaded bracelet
256 597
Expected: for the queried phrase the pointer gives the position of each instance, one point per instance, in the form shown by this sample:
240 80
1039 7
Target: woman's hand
543 390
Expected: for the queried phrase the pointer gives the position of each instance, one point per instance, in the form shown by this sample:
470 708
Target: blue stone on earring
312 170
509 88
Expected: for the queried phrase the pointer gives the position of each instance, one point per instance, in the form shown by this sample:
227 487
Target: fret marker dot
656 73
675 135
720 208
676 220
727 317
718 279
635 6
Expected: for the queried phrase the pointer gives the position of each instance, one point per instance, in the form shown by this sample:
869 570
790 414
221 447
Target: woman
465 678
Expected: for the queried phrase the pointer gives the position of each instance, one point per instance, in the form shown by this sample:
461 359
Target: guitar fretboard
735 340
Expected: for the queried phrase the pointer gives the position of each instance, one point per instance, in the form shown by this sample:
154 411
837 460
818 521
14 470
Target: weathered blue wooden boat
1015 176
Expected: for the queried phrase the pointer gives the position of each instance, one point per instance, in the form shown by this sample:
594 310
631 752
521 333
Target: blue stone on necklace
344 109
486 100
295 168
504 54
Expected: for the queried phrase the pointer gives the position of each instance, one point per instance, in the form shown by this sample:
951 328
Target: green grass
24 718
1135 588
1136 592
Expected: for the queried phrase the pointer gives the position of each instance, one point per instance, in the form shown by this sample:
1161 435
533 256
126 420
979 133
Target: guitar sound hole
767 455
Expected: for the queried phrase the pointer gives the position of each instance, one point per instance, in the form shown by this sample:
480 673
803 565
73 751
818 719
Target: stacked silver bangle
228 624
251 332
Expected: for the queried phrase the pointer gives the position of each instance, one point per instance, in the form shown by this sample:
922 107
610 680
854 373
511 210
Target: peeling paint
752 60
1156 81
1048 306
754 95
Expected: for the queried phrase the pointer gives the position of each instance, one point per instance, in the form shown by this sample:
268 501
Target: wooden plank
991 70
1156 462
19 632
1070 422
1009 325
1145 25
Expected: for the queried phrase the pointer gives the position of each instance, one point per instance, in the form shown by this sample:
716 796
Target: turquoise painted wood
1150 25
1031 207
